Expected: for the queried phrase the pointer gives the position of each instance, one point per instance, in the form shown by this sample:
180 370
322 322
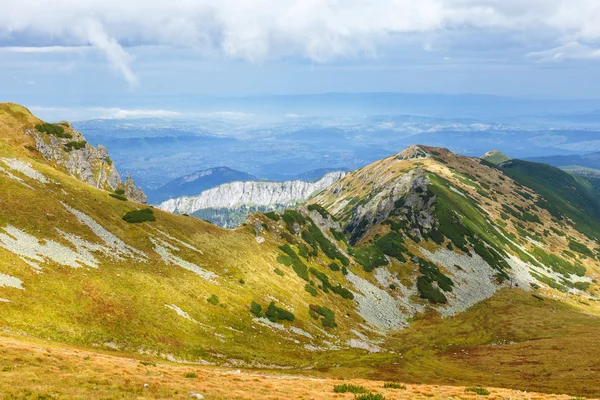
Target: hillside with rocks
425 266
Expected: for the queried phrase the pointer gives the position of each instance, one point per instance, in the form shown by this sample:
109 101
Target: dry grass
36 369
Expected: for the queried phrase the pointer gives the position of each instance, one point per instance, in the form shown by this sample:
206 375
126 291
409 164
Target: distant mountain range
197 182
591 160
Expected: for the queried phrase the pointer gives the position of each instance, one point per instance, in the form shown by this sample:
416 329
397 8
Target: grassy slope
123 302
564 194
512 340
37 369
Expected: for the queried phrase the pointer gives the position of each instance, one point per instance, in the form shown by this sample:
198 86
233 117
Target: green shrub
318 208
273 215
190 375
370 396
370 257
279 272
310 289
344 271
54 130
276 314
338 235
120 191
391 244
328 248
334 267
74 145
348 388
328 316
256 309
213 299
478 390
291 260
136 216
118 196
427 291
392 385
580 248
148 363
292 217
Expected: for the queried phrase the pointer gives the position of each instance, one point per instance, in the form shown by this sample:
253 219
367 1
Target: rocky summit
423 274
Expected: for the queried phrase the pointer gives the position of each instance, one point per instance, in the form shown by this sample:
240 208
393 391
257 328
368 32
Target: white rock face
236 194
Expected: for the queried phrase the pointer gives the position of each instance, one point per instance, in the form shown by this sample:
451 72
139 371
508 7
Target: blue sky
93 52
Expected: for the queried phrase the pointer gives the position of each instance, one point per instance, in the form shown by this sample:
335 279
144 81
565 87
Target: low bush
277 314
478 390
136 216
148 363
348 388
54 130
191 375
279 272
291 218
370 257
318 208
291 259
580 248
370 396
392 385
74 145
256 309
213 299
334 267
273 215
328 316
118 196
310 289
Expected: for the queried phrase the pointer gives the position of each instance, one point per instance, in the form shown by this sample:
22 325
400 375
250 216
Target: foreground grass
510 340
36 369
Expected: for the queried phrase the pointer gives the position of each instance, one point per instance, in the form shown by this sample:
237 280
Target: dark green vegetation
137 216
392 385
213 299
272 313
349 388
563 194
291 259
54 130
370 396
75 145
478 390
430 274
327 316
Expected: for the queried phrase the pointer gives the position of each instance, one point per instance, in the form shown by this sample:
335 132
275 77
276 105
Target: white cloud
571 50
257 30
119 113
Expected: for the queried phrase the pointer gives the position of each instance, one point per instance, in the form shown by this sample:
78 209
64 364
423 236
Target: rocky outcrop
82 160
408 190
414 152
132 192
237 194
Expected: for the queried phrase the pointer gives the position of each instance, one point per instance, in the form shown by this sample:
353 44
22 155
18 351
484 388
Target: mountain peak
495 157
414 152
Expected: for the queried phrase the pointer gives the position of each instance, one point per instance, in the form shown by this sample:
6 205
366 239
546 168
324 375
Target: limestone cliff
236 195
63 145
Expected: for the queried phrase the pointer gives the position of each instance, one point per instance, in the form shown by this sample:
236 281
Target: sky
94 52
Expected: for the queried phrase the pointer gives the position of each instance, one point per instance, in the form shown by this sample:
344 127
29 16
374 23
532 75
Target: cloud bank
317 30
